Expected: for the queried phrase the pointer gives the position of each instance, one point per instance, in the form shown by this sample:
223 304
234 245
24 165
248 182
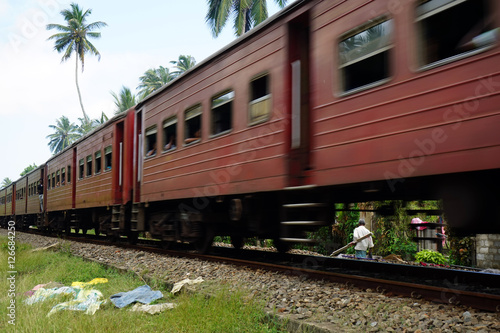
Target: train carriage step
305 223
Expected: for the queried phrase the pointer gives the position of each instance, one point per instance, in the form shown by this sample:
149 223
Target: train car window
48 182
260 100
58 178
63 176
192 121
98 162
441 41
69 174
170 134
151 137
364 56
53 179
81 167
107 158
222 109
89 166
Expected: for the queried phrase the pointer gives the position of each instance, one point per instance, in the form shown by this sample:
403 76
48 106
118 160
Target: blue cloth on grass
142 294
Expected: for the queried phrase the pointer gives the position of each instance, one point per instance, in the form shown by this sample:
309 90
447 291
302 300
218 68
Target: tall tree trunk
85 117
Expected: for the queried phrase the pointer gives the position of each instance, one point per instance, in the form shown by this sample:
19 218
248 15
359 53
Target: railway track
441 285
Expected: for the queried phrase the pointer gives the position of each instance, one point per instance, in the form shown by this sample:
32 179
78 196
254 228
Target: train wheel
132 237
237 241
281 246
204 244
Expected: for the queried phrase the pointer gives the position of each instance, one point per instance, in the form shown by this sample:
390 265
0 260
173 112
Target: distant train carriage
3 206
27 202
103 174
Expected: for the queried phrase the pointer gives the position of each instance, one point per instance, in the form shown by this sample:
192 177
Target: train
325 102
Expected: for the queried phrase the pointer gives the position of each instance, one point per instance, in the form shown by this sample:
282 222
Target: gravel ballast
310 305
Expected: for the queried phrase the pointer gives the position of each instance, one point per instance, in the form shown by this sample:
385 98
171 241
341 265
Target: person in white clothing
363 245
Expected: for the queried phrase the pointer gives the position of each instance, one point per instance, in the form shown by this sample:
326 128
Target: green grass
225 311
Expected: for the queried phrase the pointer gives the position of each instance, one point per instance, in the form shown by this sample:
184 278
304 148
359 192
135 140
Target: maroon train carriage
7 204
87 180
405 103
336 101
218 150
3 207
27 202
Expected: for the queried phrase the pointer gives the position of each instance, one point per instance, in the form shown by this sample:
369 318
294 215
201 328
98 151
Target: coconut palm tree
248 13
6 181
65 133
74 38
182 65
124 100
154 79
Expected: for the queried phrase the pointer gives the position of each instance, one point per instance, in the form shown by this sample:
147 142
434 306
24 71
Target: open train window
364 55
58 178
98 162
53 179
107 158
192 120
81 167
151 141
440 41
260 100
170 134
69 173
222 108
89 166
63 176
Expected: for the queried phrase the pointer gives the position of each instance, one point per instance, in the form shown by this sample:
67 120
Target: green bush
431 257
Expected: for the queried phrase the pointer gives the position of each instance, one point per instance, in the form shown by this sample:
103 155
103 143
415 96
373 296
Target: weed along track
321 291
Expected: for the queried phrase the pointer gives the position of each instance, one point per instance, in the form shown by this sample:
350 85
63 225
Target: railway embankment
308 305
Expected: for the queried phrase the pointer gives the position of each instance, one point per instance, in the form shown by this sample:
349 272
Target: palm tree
101 121
74 38
6 181
248 13
65 133
182 65
124 101
28 169
153 79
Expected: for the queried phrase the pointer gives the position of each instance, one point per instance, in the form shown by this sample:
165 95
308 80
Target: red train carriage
3 206
347 100
7 204
104 173
217 141
403 92
86 180
27 202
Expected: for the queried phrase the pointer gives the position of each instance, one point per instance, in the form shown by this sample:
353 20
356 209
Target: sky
36 88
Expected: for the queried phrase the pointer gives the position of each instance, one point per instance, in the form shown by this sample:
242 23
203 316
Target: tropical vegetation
246 13
74 38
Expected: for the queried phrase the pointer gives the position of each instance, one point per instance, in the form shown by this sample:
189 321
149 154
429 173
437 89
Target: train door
298 100
138 154
117 163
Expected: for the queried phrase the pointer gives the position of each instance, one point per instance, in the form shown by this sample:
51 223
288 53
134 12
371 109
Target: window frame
97 162
389 48
217 108
265 99
108 150
148 146
169 123
420 41
190 114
